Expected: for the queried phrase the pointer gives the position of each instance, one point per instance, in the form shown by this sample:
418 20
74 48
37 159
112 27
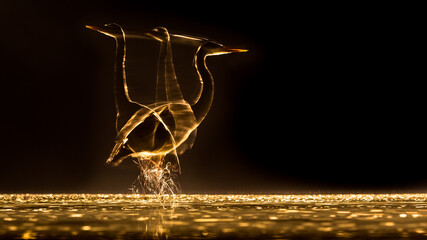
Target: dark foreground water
83 216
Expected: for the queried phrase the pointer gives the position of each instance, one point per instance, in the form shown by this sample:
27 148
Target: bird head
159 33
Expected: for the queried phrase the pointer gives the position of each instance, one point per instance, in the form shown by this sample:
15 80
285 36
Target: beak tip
238 50
92 27
235 50
106 30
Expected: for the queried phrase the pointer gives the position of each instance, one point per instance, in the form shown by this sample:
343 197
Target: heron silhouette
168 125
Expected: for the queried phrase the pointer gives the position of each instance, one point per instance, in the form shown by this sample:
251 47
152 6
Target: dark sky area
328 98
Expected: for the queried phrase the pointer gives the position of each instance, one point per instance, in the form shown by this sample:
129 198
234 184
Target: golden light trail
155 133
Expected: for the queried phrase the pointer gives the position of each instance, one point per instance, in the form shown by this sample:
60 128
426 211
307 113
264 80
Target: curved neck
124 106
201 108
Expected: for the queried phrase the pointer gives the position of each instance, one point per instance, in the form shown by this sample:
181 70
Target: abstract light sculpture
154 134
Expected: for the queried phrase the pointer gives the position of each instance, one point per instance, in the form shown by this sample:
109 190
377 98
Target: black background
329 98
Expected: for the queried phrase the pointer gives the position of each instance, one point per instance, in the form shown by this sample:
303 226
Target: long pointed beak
107 30
114 30
92 27
236 50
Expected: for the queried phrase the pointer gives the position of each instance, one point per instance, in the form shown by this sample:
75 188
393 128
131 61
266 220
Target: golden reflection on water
86 216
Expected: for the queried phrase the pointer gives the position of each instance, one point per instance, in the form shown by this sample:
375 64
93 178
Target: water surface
116 216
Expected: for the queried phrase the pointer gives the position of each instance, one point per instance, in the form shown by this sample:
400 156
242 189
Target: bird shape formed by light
168 125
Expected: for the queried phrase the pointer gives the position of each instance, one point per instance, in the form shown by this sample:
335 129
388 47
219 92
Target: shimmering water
83 216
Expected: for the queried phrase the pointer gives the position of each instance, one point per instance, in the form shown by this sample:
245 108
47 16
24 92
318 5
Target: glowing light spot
213 220
389 224
343 212
325 229
12 228
201 228
227 230
346 225
142 219
29 235
244 224
76 215
86 228
403 215
292 211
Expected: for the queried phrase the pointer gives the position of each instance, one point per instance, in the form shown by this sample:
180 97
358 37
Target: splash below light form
154 134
